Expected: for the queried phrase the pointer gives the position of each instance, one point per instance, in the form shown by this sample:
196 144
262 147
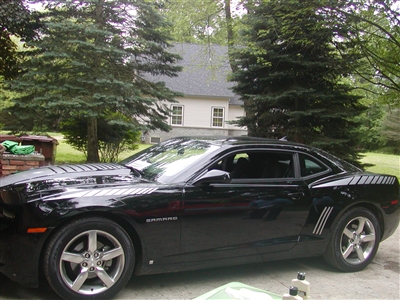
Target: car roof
245 140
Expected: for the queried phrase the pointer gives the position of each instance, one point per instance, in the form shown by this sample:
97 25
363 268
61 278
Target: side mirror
213 176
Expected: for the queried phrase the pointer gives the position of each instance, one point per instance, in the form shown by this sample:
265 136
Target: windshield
164 161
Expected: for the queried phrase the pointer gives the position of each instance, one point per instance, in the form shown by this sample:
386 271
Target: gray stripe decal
323 218
141 191
91 193
109 192
360 180
104 192
355 180
369 179
340 182
118 192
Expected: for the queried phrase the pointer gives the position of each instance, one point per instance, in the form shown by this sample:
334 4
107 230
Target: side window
259 164
310 166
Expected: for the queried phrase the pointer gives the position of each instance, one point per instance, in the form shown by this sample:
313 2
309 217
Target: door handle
296 196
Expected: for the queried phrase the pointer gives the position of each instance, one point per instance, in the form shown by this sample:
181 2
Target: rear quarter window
310 166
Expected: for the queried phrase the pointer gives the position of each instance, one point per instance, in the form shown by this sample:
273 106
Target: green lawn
67 154
383 163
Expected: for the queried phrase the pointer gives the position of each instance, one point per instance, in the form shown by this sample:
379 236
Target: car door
261 210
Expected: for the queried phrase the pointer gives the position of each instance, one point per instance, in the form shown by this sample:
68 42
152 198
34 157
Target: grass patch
382 163
68 155
141 147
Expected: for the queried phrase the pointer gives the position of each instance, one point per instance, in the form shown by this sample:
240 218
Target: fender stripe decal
322 220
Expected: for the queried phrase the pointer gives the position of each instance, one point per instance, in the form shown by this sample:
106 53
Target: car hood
64 171
71 181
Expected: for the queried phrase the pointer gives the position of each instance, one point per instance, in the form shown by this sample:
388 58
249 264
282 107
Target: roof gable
205 69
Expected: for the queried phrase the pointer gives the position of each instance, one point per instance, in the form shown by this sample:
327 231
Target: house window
177 115
217 117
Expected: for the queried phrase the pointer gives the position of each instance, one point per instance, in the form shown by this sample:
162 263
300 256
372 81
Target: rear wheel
355 240
89 258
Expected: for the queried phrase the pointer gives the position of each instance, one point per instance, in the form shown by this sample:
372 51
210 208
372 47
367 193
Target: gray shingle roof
205 71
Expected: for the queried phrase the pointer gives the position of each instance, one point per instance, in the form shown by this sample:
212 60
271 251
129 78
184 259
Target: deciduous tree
204 21
17 20
375 30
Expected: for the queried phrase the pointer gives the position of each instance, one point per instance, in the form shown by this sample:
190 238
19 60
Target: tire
355 240
89 258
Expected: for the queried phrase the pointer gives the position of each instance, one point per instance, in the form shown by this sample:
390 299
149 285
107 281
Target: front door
262 210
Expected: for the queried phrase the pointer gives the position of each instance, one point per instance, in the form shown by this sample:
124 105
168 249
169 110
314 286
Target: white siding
235 111
198 111
197 118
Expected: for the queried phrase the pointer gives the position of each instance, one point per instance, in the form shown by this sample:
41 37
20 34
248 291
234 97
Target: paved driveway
380 280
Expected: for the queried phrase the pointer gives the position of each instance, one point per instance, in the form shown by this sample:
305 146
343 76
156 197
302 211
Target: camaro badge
161 219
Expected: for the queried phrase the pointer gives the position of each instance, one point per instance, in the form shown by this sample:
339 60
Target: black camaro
190 203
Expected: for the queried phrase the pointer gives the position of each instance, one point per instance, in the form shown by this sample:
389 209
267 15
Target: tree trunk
93 145
229 29
92 138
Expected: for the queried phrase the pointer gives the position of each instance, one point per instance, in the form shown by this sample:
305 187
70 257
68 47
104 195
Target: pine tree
97 57
290 73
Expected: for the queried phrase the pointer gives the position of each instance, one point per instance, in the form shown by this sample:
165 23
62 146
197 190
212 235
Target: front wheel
355 240
89 258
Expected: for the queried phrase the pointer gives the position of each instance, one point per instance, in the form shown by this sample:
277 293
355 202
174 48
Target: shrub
114 136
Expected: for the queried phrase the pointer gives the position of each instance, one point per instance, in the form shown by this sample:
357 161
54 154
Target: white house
208 104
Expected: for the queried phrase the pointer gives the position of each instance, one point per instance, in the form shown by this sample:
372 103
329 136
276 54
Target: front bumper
19 259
